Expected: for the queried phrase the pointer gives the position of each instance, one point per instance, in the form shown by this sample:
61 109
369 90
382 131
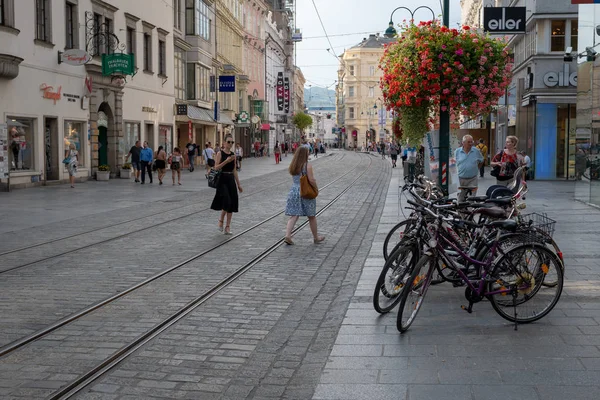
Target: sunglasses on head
229 142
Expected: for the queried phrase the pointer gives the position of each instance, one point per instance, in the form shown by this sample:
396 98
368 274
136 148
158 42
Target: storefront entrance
51 149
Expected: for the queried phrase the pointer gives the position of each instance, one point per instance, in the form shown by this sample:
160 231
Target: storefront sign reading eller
561 79
506 20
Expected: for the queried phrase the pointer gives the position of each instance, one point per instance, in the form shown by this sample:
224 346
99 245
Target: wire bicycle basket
539 221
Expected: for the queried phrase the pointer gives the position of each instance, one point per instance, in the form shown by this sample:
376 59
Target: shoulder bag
495 172
213 178
307 190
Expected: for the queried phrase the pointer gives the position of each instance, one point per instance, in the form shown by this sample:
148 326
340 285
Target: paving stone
360 392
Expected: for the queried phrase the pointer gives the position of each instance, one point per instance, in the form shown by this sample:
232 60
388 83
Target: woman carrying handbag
226 199
298 205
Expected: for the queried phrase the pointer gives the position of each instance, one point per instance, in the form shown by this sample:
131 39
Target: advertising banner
227 83
283 93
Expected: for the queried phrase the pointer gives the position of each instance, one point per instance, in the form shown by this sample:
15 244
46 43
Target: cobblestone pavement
291 301
450 354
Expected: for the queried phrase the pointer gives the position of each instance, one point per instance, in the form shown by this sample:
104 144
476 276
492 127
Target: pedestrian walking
468 160
217 148
316 150
382 147
226 198
394 154
297 206
191 152
484 152
256 149
277 152
580 163
146 158
161 164
176 161
135 152
239 154
286 148
209 159
527 163
409 159
506 162
72 156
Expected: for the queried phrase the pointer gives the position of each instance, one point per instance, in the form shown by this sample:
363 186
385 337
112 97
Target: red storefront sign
190 131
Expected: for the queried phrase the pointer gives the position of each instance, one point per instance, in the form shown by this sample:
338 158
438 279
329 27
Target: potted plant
103 173
126 171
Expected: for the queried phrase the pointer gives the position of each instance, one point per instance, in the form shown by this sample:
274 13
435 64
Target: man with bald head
468 160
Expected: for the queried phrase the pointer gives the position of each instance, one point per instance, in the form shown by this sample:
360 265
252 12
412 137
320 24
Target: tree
302 121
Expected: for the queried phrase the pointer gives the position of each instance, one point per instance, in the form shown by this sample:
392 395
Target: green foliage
302 121
126 166
414 123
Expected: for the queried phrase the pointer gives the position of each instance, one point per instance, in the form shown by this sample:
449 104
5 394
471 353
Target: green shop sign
118 63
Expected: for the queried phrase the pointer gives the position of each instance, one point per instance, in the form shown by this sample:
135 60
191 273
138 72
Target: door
103 146
150 136
51 149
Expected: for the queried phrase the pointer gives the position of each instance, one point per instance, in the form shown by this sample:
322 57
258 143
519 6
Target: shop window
131 134
21 144
74 134
558 35
43 25
164 138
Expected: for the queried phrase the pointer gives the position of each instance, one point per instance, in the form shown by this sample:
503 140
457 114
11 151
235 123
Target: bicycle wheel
414 293
393 277
396 236
524 269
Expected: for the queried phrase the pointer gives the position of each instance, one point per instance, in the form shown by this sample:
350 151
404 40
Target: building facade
366 119
49 105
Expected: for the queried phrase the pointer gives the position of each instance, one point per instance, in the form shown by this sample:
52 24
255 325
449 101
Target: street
114 290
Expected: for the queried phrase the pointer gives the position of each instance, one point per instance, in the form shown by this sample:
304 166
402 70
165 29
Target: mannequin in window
15 146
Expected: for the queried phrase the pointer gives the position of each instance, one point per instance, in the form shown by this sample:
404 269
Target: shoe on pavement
319 239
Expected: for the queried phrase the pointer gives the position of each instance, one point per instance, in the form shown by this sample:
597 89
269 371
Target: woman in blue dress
296 205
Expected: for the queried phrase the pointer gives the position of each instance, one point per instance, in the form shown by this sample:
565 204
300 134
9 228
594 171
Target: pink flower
446 91
459 52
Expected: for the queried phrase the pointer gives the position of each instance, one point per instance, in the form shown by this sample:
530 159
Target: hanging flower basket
432 66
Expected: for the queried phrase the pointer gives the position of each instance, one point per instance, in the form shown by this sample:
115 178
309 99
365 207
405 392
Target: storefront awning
265 127
225 120
197 115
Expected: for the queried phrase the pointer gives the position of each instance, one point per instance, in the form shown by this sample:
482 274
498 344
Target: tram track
120 236
122 354
19 343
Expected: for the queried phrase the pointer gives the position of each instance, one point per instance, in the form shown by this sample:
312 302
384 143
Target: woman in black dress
226 198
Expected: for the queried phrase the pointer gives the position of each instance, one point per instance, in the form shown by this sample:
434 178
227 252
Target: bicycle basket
539 221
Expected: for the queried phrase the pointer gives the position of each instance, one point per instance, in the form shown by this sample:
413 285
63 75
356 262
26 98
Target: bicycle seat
507 225
492 212
503 201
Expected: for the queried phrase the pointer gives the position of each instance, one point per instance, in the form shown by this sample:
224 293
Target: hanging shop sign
506 20
4 151
190 131
297 36
182 109
118 63
243 116
283 93
286 94
49 93
227 83
75 57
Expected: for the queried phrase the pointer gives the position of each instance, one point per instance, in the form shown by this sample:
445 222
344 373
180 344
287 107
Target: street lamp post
444 142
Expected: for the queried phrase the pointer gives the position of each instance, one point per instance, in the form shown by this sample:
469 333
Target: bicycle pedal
467 309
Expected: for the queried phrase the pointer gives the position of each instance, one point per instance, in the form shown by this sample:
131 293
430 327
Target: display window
21 142
164 138
74 134
131 133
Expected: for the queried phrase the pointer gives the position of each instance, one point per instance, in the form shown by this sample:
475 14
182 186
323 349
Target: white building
49 105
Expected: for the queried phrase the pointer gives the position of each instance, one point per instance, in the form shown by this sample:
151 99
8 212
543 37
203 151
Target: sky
347 22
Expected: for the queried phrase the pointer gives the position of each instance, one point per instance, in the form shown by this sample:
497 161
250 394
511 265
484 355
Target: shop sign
75 57
118 63
217 114
71 98
283 93
561 79
182 109
297 36
49 93
148 109
286 94
190 131
507 20
243 116
227 83
4 151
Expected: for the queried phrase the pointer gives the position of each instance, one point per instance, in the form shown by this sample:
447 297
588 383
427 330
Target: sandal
220 226
227 230
319 239
288 240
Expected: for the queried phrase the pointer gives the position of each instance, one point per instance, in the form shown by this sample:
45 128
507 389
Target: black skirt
160 164
226 198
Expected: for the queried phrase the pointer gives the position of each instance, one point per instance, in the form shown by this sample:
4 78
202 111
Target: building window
203 80
162 58
372 91
147 52
42 20
176 15
96 41
352 70
130 40
574 30
108 29
71 26
74 134
350 91
350 112
197 20
558 38
179 74
371 70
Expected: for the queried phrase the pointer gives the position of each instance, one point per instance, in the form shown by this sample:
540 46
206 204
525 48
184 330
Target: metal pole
444 143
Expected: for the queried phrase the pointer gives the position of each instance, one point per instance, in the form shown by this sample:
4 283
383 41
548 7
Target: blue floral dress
296 205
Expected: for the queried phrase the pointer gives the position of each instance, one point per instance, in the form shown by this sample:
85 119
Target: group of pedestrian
144 161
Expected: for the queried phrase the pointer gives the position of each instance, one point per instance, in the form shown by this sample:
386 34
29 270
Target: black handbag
213 178
495 172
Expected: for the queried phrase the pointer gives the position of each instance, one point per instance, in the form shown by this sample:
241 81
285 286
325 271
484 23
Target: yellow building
359 96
